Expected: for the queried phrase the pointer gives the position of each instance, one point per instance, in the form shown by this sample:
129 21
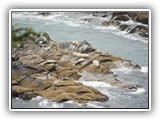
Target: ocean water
68 26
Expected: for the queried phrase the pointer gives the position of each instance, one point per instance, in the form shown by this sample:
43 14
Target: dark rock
27 96
140 29
85 47
122 18
77 46
119 13
44 13
123 27
35 84
142 17
101 14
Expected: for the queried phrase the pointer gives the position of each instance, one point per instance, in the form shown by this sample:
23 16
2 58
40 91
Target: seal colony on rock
54 73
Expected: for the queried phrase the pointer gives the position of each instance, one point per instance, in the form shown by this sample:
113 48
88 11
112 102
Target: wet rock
77 46
36 84
122 18
85 47
105 23
119 13
126 64
44 13
27 96
19 69
78 93
118 20
142 17
140 29
23 93
123 27
101 14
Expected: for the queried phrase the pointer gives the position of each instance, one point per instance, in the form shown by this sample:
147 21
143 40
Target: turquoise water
70 26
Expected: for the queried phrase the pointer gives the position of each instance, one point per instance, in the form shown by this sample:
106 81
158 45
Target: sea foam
144 69
139 91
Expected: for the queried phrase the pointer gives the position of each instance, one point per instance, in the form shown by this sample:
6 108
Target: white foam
144 69
104 28
122 69
89 104
49 104
96 84
17 98
139 91
37 98
131 22
118 32
131 36
43 103
70 23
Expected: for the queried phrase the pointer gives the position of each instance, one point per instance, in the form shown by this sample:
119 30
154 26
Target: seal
96 63
78 61
81 55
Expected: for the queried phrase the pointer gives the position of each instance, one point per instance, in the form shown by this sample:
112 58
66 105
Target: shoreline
44 67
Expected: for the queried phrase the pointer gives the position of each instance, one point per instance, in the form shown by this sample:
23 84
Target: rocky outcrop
119 20
52 70
142 17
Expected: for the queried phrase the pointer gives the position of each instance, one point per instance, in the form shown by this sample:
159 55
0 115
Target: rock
35 84
14 82
27 96
66 83
94 69
76 46
31 59
85 47
122 18
123 27
119 13
126 64
103 58
79 93
67 60
118 20
44 13
23 93
20 89
73 74
44 76
140 29
48 65
105 23
19 70
142 17
51 70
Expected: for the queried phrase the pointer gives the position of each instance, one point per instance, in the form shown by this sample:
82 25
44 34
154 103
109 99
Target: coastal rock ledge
43 67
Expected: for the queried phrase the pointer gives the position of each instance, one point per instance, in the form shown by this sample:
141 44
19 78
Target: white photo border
81 109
